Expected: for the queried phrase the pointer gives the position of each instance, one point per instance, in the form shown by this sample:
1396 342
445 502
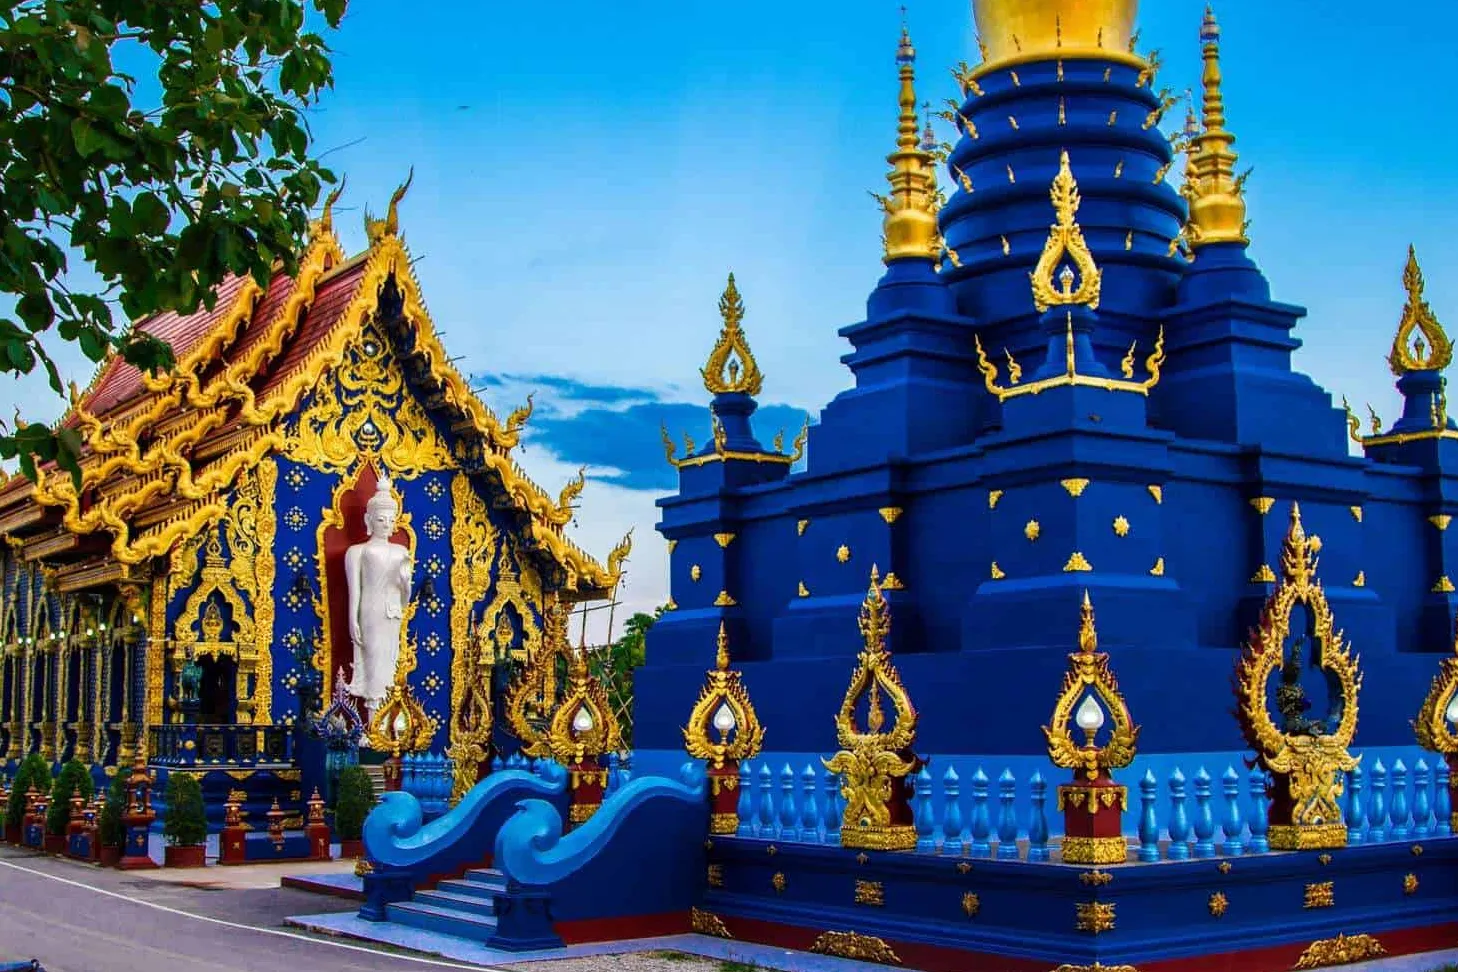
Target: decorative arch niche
216 623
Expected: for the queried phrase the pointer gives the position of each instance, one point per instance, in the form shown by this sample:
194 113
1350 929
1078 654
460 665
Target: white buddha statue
378 573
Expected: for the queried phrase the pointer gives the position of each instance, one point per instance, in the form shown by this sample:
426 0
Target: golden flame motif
377 229
724 690
731 368
569 742
387 733
1312 765
1090 678
1420 344
1434 725
1065 243
872 761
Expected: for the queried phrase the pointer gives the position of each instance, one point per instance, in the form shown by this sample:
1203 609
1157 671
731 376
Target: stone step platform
465 908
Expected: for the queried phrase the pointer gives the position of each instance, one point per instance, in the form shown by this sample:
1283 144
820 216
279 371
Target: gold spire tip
1421 343
1215 194
721 657
910 225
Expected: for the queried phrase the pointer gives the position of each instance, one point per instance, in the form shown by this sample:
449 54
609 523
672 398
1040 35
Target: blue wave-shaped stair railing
406 854
638 861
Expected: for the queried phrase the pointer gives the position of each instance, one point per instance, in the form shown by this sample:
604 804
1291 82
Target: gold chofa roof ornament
1307 758
1088 682
1065 246
873 763
1421 344
731 368
911 208
723 711
377 229
1216 195
1015 31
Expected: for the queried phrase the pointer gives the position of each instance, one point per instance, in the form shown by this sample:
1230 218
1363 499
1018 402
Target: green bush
109 826
74 780
355 801
33 772
187 822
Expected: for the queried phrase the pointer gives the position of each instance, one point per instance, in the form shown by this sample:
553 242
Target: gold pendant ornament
1092 804
874 764
1436 725
1307 758
723 709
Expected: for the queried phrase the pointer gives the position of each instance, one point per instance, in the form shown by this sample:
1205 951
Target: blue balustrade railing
1182 817
428 778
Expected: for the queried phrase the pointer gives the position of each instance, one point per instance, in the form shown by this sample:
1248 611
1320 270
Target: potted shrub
110 830
32 772
354 801
74 780
186 824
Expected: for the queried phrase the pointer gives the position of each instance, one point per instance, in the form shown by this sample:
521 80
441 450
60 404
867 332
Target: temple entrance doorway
218 693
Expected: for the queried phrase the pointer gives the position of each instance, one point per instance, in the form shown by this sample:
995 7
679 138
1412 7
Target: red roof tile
331 299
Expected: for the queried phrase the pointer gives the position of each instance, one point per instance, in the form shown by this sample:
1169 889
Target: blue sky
586 175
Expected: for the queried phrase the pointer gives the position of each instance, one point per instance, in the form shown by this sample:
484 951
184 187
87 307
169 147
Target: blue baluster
1422 806
765 827
832 808
497 765
1233 826
789 819
1179 821
1260 815
981 824
922 813
1356 807
1007 819
952 814
1399 829
809 807
1148 818
515 762
1377 807
745 808
612 775
1204 816
1038 821
1442 802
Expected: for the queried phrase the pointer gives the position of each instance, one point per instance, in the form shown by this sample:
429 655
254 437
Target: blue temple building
1071 377
210 523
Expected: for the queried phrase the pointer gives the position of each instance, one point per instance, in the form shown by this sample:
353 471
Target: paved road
78 919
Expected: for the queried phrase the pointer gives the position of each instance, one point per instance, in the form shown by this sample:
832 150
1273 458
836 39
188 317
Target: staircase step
487 874
484 890
442 921
444 898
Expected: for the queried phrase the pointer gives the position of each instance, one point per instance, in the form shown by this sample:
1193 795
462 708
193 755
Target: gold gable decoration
1420 344
731 368
199 623
474 545
741 735
1089 676
873 763
1308 767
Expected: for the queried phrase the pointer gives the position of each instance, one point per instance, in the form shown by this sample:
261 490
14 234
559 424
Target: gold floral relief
364 407
473 548
252 527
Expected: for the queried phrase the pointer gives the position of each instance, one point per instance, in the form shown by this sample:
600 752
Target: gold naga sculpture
1436 725
874 764
1093 804
581 731
725 711
1307 759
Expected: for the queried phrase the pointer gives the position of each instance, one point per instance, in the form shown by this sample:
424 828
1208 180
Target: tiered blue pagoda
1076 474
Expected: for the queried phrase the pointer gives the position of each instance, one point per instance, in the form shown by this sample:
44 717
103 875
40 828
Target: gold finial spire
721 658
1216 196
377 229
731 368
1065 242
910 225
1421 344
1015 31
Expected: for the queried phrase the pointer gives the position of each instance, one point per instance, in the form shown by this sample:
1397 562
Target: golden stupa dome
1013 31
